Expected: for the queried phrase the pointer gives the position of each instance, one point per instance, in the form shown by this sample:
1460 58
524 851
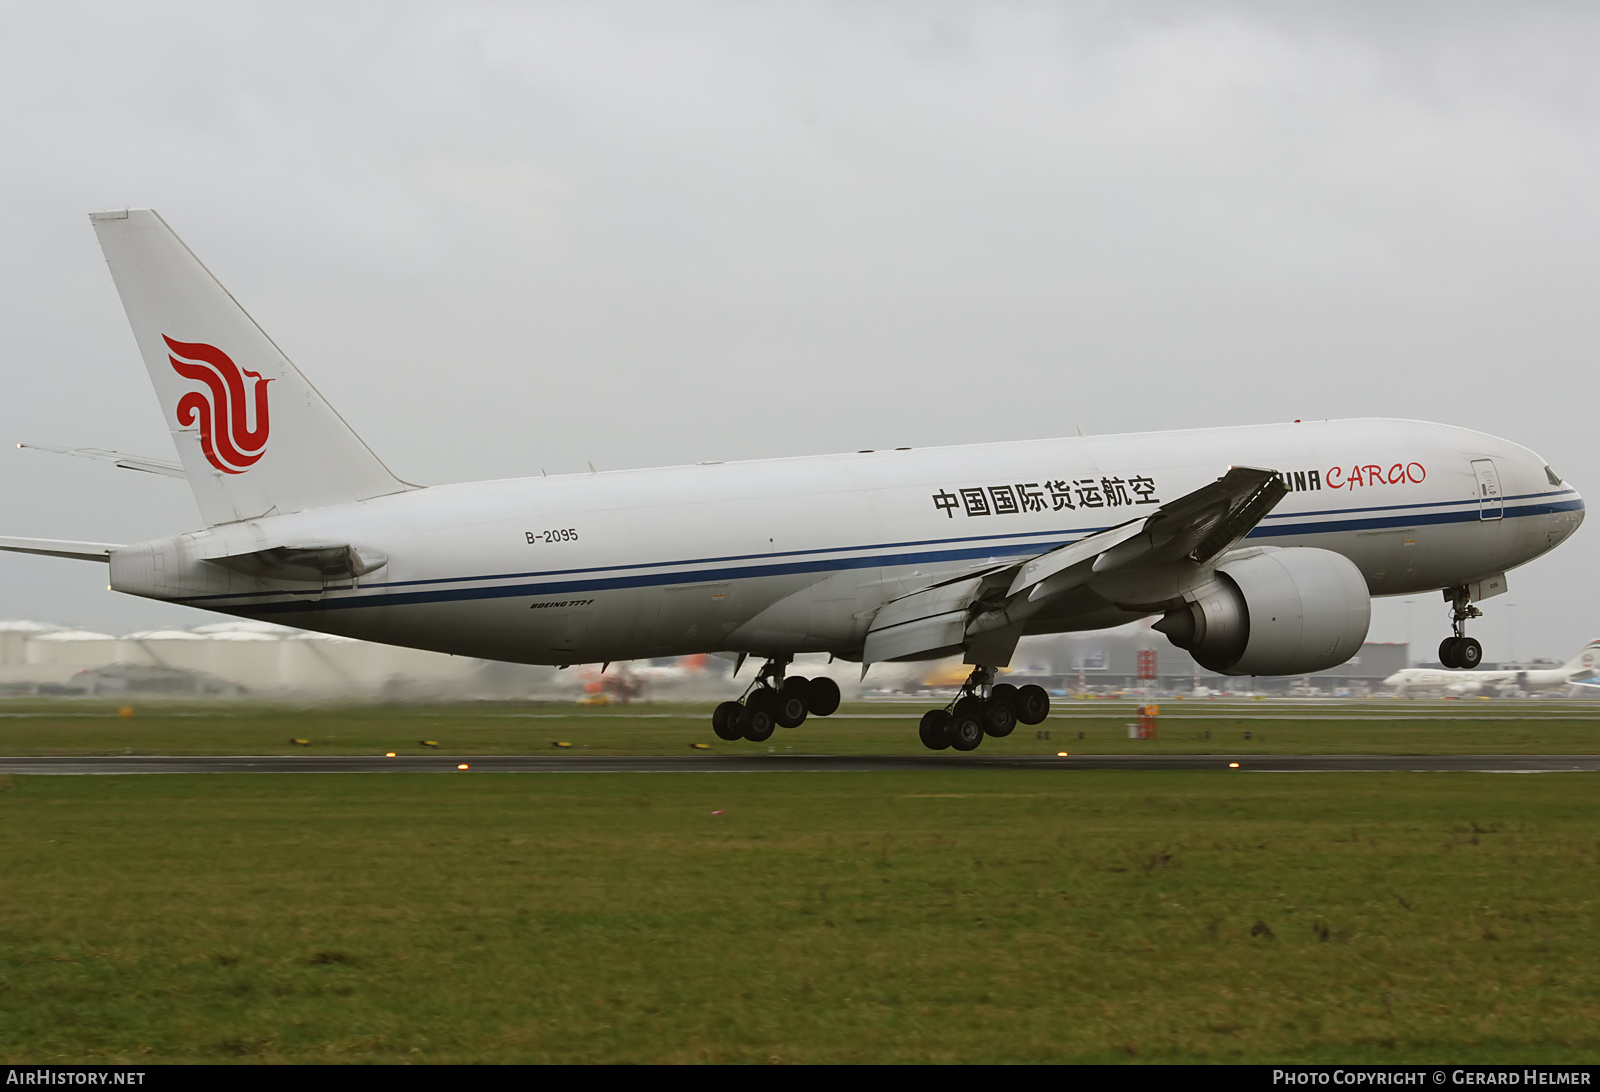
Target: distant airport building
1134 658
237 658
258 659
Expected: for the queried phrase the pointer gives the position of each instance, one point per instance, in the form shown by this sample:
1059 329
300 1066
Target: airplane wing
1198 527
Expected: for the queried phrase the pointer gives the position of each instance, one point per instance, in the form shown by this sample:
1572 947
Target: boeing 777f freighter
1259 547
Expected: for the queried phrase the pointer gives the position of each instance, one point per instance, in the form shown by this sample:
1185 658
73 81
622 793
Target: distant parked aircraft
1583 669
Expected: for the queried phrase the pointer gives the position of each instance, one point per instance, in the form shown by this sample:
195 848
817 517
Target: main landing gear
772 702
982 708
1460 650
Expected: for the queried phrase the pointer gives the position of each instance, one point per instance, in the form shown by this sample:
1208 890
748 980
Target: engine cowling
1276 612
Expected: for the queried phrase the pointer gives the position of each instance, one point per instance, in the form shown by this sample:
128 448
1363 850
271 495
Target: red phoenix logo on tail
226 437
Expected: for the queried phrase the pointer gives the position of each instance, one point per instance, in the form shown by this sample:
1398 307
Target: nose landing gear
773 702
1460 650
982 708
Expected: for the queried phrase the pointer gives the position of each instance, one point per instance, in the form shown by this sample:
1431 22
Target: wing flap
921 624
1036 570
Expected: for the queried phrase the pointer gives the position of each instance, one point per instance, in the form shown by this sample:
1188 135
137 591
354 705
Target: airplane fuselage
796 555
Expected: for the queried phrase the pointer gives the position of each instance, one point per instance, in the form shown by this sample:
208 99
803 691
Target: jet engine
1275 612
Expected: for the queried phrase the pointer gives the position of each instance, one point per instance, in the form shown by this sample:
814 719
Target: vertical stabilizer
255 437
1587 659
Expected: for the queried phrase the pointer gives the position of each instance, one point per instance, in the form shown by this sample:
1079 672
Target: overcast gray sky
505 237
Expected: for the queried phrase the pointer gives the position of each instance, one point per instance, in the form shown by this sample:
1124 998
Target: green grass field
960 915
94 727
934 915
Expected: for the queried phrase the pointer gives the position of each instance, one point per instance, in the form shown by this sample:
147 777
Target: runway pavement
790 763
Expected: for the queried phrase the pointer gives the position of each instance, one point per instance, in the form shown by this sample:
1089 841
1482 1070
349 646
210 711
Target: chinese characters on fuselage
1058 495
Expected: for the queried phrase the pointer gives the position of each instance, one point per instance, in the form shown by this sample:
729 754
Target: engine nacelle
1277 612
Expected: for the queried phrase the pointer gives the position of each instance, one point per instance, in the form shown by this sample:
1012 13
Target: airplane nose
1566 511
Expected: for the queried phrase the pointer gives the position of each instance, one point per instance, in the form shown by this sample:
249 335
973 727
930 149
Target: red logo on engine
226 437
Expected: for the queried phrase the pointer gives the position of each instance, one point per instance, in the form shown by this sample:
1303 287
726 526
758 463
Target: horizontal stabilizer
313 561
127 462
54 547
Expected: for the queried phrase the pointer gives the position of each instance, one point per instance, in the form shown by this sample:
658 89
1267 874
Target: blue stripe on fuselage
728 569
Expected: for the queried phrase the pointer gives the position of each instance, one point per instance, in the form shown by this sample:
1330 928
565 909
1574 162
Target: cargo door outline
689 612
571 625
1491 505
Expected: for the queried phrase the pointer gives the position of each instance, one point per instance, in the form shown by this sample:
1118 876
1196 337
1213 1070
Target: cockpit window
1555 479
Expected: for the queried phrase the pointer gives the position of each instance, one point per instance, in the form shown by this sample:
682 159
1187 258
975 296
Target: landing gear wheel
934 729
1447 652
999 718
1033 704
822 697
725 720
1459 650
759 717
966 727
791 711
1004 692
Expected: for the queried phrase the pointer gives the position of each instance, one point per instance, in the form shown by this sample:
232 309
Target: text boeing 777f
1259 546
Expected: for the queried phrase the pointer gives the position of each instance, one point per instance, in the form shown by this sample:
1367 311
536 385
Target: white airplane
1582 670
1259 547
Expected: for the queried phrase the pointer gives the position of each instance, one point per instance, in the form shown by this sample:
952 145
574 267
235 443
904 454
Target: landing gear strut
773 701
982 708
1460 650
